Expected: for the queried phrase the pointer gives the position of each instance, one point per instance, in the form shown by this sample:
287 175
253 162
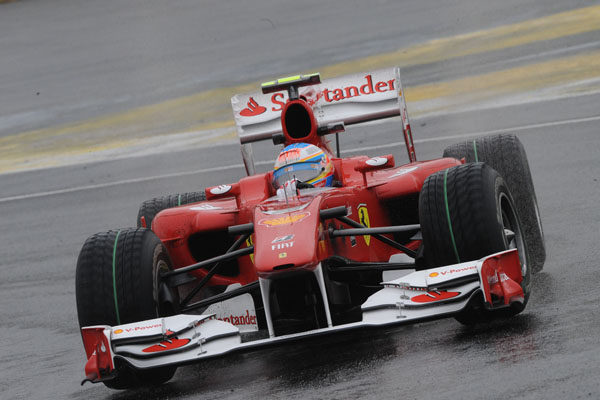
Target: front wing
419 296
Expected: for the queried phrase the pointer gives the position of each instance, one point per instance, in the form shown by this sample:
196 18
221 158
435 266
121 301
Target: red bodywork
365 189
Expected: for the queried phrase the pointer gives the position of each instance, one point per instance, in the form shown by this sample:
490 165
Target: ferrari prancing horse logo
363 218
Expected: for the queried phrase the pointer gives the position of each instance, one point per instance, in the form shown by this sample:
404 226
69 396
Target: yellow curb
513 80
554 26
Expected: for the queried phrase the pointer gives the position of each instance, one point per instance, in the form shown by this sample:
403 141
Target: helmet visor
302 172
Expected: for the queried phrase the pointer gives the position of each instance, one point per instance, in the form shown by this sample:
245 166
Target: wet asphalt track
550 351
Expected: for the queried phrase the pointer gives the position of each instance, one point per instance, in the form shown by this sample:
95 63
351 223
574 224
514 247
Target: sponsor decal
246 319
376 161
363 218
353 91
328 95
278 103
253 109
137 328
282 239
281 246
452 271
205 207
221 189
433 296
239 311
169 344
402 171
282 255
288 157
288 219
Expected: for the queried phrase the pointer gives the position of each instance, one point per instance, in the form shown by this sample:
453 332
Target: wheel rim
513 236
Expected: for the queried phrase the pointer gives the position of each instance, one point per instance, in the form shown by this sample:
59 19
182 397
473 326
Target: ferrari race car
282 255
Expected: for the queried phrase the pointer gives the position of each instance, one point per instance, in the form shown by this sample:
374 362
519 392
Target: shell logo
288 219
118 331
433 274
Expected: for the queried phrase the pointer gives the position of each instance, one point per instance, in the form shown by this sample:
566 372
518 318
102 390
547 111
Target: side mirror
376 163
373 164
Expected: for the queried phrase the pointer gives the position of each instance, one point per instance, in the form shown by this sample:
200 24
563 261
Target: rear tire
149 208
118 282
505 153
464 212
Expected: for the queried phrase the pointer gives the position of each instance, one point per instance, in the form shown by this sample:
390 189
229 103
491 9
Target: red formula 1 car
322 244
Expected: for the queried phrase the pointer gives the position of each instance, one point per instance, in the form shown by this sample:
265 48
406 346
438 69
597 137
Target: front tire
466 213
506 154
118 282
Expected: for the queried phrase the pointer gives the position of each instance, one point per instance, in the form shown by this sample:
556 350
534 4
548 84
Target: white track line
483 133
228 167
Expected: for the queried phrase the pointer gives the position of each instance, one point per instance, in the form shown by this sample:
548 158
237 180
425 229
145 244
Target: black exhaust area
298 122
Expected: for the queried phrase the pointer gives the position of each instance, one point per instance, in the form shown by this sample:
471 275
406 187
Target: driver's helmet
305 163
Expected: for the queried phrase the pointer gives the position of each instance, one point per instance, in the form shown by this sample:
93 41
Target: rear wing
347 100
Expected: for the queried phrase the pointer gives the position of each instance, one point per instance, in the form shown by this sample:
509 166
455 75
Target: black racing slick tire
118 282
149 208
466 213
505 153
